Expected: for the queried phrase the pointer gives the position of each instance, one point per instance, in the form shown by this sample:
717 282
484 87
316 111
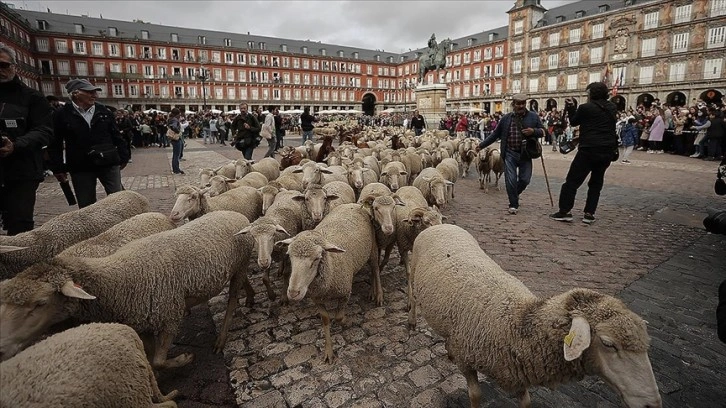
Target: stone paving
648 247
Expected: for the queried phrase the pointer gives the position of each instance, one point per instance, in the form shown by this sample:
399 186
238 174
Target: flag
606 75
618 82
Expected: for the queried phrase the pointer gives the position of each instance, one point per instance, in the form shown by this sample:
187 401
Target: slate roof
590 7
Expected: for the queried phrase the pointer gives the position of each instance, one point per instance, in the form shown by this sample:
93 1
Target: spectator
174 125
213 131
512 130
597 145
269 123
715 135
629 137
462 126
25 128
94 149
246 131
418 123
700 124
279 129
657 129
306 124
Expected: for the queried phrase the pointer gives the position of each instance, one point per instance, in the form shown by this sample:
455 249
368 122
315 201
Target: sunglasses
6 65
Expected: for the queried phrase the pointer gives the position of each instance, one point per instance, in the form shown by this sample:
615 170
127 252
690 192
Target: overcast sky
393 26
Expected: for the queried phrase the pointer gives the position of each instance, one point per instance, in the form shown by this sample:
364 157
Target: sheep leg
411 308
376 287
340 313
148 340
234 284
524 400
162 342
409 278
386 256
268 284
165 404
250 293
325 317
157 396
284 271
472 383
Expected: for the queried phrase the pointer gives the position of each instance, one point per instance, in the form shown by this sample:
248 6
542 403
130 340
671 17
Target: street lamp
203 77
405 86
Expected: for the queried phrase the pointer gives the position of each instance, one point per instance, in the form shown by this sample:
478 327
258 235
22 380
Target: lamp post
203 77
405 86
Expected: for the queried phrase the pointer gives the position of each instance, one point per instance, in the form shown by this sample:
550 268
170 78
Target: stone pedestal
431 103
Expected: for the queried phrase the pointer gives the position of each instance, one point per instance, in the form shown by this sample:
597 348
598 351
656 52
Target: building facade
669 50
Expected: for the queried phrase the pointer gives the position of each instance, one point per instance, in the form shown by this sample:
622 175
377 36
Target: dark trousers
17 203
586 162
176 146
247 152
84 183
517 175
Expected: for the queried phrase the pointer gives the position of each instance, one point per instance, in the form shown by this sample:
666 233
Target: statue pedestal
431 103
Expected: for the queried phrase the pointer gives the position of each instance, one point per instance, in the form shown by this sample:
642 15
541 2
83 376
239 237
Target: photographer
598 144
25 127
94 148
246 130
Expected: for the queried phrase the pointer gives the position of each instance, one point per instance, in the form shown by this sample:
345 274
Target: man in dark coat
246 130
25 128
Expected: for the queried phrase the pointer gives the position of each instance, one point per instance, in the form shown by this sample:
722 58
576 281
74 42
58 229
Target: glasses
6 65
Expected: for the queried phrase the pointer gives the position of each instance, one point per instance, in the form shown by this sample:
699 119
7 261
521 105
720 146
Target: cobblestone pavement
648 247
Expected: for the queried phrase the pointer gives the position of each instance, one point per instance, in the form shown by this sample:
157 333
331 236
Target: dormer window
112 32
283 47
603 8
304 50
202 40
390 59
262 45
79 28
580 14
470 42
341 54
559 19
227 42
144 35
355 55
251 45
377 58
174 37
323 52
492 36
629 2
42 24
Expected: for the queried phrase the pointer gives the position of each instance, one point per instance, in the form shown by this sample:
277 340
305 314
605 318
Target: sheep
192 203
205 174
191 264
493 324
289 156
467 153
359 176
93 365
449 169
66 229
394 175
109 241
432 185
268 166
324 261
318 201
316 173
222 184
489 160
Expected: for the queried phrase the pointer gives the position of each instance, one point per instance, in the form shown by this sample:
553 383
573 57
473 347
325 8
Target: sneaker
625 161
513 210
588 218
561 216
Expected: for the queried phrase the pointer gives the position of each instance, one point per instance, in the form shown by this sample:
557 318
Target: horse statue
434 60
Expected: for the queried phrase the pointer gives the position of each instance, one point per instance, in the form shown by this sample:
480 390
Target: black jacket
239 131
721 312
597 121
71 128
417 122
306 121
18 101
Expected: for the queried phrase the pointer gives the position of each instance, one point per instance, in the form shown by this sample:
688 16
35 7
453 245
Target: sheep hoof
250 301
170 396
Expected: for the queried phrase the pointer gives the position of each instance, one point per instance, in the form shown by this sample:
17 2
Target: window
477 55
499 51
575 34
498 88
518 27
535 44
130 51
572 81
467 58
81 68
112 31
534 64
202 40
580 14
650 20
647 48
457 59
148 71
594 77
718 8
64 68
118 90
116 67
552 83
559 19
598 31
61 46
42 24
553 61
97 49
79 28
477 72
499 69
488 53
144 35
516 66
573 58
241 59
554 39
516 86
677 72
113 50
48 88
712 68
683 14
42 44
517 47
134 91
242 75
161 53
99 69
79 47
603 8
174 37
680 42
467 74
716 37
161 71
596 55
216 57
534 84
646 75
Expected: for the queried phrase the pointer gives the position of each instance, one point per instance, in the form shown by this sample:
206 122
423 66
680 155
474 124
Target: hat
519 97
80 85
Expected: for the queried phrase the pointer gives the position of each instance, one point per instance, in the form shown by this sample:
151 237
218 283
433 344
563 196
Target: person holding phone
25 128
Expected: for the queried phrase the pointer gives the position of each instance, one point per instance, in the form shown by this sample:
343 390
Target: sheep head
307 251
423 218
383 210
205 175
264 232
188 203
268 193
242 167
219 184
315 201
29 306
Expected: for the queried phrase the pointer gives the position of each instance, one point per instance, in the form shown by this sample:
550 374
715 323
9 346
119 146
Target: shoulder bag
266 132
172 135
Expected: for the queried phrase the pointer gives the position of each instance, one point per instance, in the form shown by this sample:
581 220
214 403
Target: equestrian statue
435 59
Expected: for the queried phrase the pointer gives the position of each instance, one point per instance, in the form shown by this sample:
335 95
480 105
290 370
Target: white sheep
66 229
394 175
317 173
109 241
432 185
190 264
226 170
192 202
222 184
449 169
324 261
490 160
493 324
318 201
267 166
93 365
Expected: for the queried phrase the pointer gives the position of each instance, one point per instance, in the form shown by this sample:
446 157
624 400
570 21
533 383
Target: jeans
271 144
307 135
627 152
517 174
593 162
417 131
206 134
176 146
84 183
17 203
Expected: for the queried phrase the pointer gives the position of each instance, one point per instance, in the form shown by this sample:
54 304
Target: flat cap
519 97
80 85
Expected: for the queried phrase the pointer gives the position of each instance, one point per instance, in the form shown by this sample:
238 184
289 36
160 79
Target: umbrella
215 111
233 112
353 111
294 111
154 111
190 112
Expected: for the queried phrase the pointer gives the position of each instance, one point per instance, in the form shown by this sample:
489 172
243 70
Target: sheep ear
72 290
578 339
448 183
367 201
330 197
279 228
325 170
244 230
10 248
284 242
333 248
397 200
298 197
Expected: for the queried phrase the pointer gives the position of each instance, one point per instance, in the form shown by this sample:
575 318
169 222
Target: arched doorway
645 99
676 99
712 96
534 105
619 101
551 105
369 104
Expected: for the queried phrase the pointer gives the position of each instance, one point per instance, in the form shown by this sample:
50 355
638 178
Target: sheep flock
327 219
